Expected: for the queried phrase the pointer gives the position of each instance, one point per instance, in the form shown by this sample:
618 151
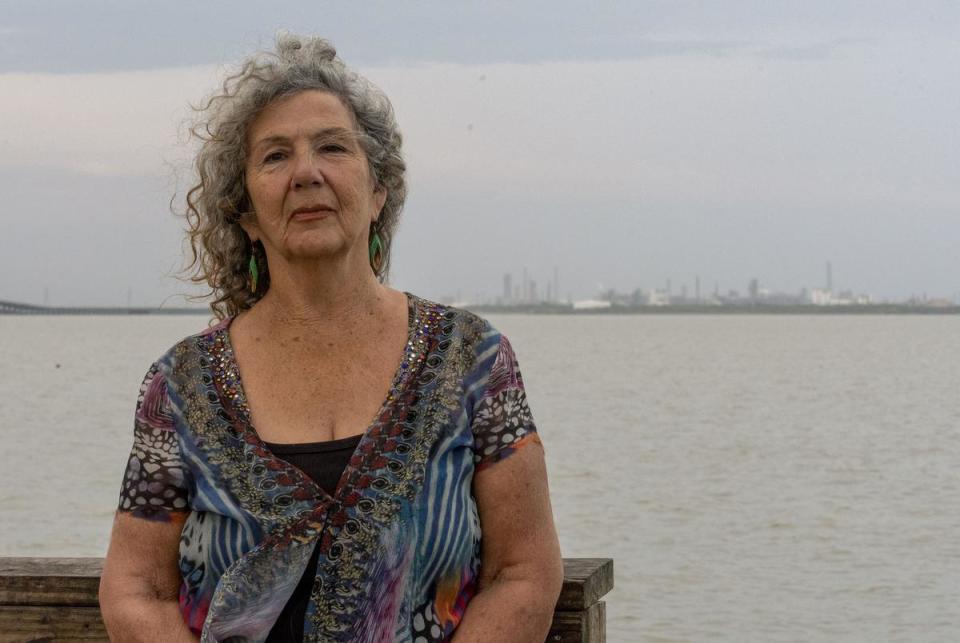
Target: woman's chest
315 397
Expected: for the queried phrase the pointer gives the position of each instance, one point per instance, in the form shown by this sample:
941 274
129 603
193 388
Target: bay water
754 478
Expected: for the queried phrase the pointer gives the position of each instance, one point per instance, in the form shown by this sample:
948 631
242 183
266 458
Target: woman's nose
306 171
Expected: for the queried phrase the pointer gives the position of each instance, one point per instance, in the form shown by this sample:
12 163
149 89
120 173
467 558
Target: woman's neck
299 298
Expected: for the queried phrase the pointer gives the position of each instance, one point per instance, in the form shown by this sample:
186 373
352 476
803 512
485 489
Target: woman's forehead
305 112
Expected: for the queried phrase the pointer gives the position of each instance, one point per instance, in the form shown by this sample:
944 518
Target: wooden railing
55 599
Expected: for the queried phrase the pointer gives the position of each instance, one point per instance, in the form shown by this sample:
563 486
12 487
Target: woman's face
309 181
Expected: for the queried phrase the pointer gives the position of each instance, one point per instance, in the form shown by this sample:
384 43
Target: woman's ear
379 199
249 224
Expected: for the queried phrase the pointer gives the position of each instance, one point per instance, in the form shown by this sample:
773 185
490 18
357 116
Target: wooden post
55 599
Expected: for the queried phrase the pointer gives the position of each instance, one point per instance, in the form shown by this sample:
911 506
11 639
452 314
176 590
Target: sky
627 144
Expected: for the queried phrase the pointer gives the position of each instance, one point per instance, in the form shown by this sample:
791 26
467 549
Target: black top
324 462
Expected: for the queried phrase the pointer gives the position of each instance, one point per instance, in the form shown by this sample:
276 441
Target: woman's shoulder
478 343
205 341
451 319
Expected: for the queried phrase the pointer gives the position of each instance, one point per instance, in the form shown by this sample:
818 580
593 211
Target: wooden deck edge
75 581
55 599
76 623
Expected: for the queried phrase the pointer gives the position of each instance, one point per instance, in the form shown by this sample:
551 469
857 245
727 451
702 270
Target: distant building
590 304
819 297
658 298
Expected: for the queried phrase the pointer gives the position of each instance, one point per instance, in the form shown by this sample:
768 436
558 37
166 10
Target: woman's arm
141 581
521 567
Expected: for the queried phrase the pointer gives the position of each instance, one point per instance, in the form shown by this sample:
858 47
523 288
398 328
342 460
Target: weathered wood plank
74 581
585 581
45 599
51 623
65 623
587 626
50 581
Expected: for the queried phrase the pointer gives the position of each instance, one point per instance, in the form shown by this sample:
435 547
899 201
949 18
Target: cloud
80 37
709 160
107 124
822 50
701 128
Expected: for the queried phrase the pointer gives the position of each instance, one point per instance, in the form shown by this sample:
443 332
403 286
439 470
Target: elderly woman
334 460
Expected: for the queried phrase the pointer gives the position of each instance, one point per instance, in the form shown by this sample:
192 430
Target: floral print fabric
399 540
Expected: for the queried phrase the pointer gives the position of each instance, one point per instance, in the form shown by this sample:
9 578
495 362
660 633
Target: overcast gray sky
626 143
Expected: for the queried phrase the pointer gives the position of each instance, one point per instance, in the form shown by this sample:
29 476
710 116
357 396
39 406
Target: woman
260 501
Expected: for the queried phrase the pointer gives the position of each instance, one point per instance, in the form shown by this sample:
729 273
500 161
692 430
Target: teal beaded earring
253 269
376 249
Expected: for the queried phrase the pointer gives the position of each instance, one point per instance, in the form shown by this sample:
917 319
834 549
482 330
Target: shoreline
10 308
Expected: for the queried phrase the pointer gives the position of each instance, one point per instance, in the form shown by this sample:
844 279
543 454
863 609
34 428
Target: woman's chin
316 251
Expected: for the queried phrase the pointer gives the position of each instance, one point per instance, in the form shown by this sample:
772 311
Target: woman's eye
273 157
335 148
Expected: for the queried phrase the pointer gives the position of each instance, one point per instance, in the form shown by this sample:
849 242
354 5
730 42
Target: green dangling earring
253 269
376 250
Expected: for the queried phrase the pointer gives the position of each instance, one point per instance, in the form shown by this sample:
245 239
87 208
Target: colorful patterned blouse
399 540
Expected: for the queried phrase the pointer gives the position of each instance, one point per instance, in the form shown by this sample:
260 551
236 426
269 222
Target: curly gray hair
215 204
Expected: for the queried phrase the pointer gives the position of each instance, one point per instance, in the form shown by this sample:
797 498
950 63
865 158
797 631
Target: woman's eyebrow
335 133
325 133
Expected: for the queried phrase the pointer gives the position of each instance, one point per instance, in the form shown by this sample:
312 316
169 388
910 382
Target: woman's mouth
312 212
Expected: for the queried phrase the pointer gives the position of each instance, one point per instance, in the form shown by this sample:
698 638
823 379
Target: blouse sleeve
154 484
502 422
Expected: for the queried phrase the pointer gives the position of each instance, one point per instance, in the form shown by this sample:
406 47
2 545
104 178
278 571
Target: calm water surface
754 478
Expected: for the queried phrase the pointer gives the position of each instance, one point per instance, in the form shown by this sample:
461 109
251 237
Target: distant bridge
16 308
13 308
